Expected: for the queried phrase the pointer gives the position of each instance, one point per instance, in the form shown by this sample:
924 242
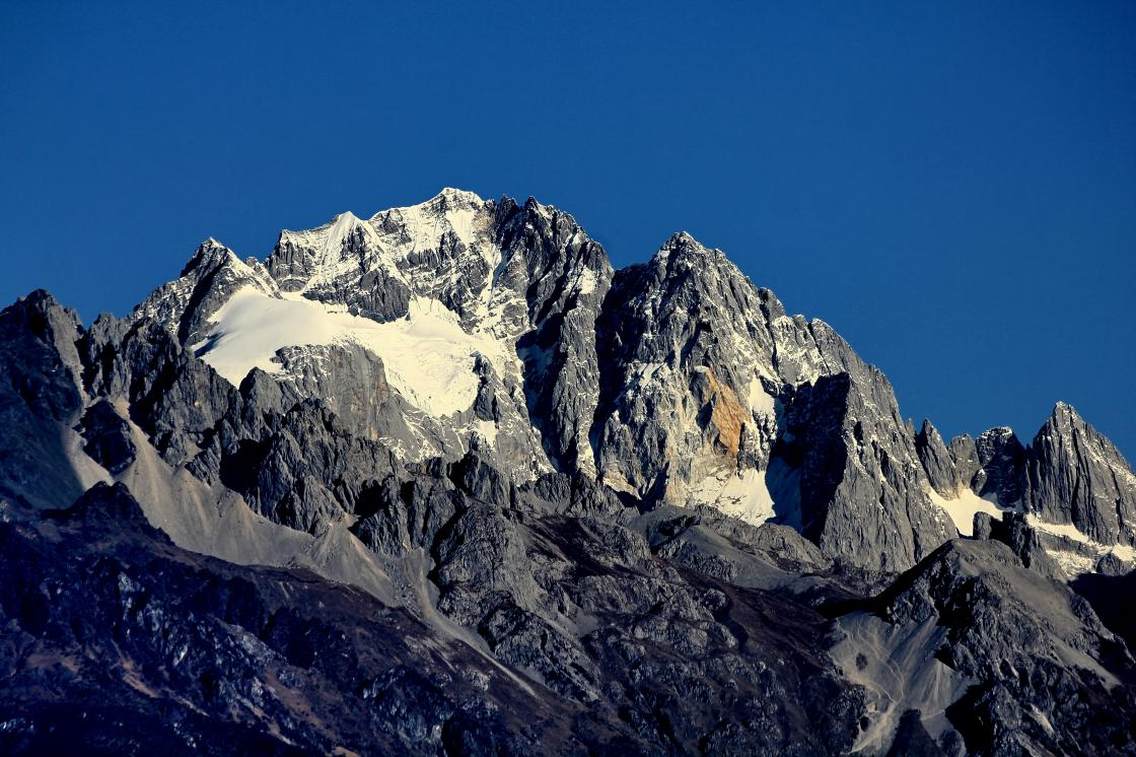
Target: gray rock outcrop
1075 475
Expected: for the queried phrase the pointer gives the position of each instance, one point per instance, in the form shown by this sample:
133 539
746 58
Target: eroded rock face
685 345
712 395
1043 670
564 277
861 486
207 281
1075 475
40 388
670 386
107 437
664 517
1001 458
594 640
943 472
137 646
1069 474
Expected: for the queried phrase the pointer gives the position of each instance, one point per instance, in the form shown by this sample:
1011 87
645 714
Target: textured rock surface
107 437
862 492
117 641
1068 475
664 516
210 277
707 379
1001 458
1044 673
107 620
39 389
943 471
1077 476
678 383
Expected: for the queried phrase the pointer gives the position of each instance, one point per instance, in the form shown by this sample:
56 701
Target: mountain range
443 480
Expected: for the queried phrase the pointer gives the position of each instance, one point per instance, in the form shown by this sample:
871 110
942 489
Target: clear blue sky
952 186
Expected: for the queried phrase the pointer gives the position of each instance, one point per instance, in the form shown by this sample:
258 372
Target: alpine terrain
442 480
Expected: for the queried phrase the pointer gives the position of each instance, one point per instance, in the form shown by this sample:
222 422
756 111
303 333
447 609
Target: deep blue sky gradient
951 185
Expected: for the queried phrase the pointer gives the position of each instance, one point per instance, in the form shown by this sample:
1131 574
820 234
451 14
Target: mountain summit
473 489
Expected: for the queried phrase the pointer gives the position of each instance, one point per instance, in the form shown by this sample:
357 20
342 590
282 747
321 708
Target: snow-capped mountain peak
576 474
504 326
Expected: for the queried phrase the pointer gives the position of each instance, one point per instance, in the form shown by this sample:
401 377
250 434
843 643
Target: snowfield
427 356
962 508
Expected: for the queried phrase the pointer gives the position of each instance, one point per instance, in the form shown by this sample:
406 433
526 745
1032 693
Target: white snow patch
1075 563
487 429
428 357
1072 563
966 503
963 506
1065 530
454 210
587 282
325 246
743 495
760 402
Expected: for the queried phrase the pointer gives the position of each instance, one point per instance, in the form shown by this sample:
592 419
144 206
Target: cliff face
1075 475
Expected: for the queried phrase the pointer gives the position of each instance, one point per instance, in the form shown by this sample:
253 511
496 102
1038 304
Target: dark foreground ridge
666 518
